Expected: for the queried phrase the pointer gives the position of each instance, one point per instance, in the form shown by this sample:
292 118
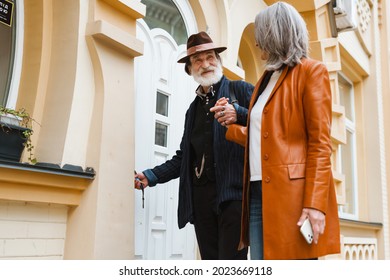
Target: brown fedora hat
197 43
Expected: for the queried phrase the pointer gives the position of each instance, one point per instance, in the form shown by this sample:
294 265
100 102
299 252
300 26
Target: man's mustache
203 70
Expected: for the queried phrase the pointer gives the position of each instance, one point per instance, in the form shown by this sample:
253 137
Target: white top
255 129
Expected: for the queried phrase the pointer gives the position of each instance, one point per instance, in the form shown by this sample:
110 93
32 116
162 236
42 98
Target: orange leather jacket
296 165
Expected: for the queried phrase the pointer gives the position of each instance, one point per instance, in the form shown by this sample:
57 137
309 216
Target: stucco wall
32 230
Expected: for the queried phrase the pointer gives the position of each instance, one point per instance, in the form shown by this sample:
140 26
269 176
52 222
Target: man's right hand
139 179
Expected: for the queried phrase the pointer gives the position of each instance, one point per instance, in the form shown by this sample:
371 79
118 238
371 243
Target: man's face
206 68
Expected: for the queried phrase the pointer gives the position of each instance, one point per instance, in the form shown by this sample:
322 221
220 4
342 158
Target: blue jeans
256 221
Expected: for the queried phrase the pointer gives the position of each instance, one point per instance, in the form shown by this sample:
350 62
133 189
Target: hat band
200 48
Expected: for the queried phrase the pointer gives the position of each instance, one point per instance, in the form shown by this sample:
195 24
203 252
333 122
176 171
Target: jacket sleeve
317 106
237 133
243 92
165 172
242 114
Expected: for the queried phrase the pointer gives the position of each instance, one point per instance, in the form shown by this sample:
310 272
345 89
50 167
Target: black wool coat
228 156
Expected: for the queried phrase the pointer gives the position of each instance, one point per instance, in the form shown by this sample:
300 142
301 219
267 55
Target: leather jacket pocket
296 171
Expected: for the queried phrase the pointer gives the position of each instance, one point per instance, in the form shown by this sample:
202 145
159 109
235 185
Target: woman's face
263 55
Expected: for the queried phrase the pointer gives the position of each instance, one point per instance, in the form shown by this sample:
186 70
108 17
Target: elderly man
210 167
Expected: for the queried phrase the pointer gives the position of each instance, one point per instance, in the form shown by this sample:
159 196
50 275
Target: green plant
25 120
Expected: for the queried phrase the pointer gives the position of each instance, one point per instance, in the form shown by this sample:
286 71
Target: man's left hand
224 112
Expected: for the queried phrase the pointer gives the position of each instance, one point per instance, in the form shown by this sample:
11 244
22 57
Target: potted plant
15 134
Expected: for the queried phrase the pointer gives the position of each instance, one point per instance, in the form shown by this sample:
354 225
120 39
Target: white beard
211 80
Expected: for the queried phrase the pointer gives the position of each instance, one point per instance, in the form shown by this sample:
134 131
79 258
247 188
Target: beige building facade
100 79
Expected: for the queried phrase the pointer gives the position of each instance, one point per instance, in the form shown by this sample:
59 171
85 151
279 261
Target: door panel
163 94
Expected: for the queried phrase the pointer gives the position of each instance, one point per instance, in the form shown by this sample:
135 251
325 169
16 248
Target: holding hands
224 112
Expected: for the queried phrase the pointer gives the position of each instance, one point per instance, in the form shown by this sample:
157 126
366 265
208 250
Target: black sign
6 9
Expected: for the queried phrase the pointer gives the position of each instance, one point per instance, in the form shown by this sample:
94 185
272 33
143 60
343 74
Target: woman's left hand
317 220
224 112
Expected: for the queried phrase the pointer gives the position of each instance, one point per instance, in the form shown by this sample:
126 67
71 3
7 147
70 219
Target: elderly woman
287 171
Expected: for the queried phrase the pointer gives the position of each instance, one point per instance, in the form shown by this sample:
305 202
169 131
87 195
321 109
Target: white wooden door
163 94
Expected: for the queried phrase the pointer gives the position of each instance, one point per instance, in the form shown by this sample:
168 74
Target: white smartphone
307 231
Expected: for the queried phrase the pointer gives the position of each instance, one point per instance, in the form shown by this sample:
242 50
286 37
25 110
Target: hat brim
187 57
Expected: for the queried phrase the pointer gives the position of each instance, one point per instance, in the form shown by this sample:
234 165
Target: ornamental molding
364 15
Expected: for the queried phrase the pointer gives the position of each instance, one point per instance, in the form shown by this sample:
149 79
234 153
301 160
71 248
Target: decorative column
102 226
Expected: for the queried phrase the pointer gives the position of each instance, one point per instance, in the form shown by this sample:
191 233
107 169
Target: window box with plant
15 134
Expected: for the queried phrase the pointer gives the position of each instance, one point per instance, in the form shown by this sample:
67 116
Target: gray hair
281 32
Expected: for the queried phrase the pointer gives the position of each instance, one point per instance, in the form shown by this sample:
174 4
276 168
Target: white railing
359 248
